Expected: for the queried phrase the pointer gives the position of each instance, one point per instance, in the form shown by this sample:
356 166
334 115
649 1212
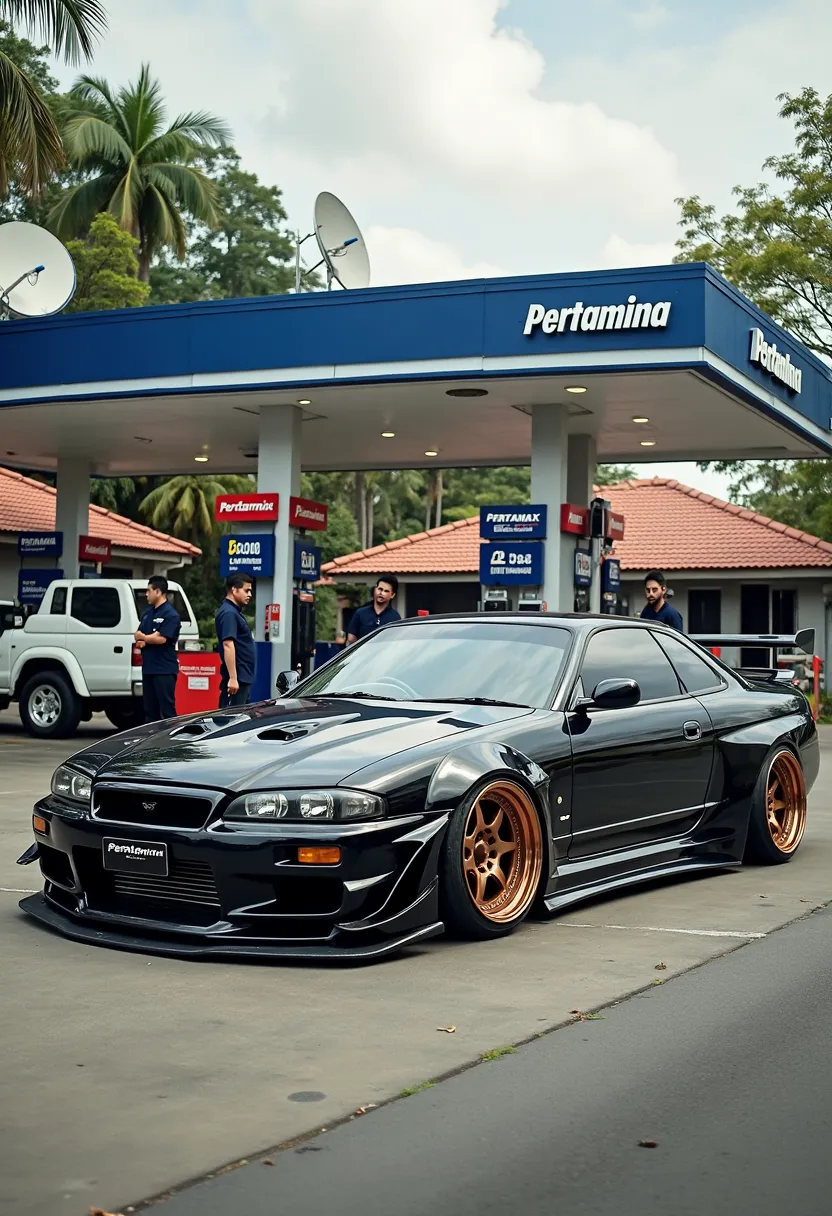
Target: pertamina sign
304 513
93 549
594 318
239 507
574 519
778 365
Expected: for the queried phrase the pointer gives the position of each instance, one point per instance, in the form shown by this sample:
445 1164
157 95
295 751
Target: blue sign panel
32 585
611 574
253 554
307 562
583 568
511 563
504 523
40 544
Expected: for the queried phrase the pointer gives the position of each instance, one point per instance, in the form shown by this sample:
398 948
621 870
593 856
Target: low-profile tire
492 860
50 708
125 714
778 809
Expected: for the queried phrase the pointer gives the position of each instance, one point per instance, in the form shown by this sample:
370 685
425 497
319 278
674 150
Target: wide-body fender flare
740 754
61 658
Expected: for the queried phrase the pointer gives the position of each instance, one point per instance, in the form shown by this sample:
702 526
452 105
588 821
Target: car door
639 774
99 634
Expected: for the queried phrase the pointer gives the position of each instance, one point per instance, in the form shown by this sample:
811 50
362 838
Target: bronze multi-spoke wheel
778 816
493 860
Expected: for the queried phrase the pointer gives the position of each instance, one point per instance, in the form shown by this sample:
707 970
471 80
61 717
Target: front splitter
72 927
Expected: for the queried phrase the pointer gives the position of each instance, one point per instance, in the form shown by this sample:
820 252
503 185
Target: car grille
186 895
151 808
189 882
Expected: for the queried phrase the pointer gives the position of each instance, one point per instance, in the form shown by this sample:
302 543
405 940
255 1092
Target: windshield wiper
477 701
369 696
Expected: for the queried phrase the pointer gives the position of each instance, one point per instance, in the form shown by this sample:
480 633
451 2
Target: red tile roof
29 506
668 525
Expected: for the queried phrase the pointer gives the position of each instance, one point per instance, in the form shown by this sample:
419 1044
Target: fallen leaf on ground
447 1029
648 1143
580 1016
362 1110
268 1161
658 981
101 1212
661 967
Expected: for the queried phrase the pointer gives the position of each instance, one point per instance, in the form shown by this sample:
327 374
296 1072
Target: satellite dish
341 243
37 275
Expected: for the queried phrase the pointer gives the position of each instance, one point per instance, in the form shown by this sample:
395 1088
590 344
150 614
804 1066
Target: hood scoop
207 726
290 732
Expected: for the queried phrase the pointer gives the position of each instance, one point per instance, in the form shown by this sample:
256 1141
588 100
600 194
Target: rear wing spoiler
803 640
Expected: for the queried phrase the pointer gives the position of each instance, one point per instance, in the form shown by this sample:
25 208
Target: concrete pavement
126 1076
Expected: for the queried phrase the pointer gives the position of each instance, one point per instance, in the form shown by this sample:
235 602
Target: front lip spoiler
69 926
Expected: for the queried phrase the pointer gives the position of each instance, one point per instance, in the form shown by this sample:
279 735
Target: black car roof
578 621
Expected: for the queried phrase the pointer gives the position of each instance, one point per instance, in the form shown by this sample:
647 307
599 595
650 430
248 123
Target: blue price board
253 554
32 585
611 574
583 568
505 523
511 563
307 562
40 544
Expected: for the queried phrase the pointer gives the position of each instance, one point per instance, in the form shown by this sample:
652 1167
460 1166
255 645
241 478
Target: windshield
437 661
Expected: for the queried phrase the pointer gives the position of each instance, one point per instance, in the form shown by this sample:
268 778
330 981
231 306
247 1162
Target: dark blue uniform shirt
233 626
666 614
366 619
161 660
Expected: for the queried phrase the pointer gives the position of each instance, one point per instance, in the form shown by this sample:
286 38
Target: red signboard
240 508
574 519
304 513
93 549
198 686
614 526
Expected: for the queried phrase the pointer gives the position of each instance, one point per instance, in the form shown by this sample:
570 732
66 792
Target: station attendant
236 644
657 607
156 636
378 612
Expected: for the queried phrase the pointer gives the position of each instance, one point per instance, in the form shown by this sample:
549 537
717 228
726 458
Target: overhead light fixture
648 443
466 392
641 420
304 401
431 452
388 434
575 388
201 459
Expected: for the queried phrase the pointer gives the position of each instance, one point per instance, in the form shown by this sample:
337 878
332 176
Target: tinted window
433 661
96 606
58 605
629 654
696 675
705 610
175 598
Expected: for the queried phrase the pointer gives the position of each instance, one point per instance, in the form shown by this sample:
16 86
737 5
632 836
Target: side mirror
286 681
616 694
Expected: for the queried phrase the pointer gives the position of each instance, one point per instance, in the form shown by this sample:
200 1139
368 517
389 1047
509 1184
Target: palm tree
139 169
184 506
30 143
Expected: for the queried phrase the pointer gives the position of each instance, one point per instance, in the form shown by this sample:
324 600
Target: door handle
118 650
692 731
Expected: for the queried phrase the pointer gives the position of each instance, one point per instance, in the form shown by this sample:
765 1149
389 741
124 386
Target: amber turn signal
320 856
40 825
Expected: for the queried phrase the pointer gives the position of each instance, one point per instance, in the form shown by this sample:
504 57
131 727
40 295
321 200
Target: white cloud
652 17
400 255
619 254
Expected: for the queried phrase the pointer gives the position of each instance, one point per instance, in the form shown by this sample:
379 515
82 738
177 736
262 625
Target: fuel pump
495 599
307 570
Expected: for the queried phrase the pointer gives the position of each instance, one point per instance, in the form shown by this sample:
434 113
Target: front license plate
135 856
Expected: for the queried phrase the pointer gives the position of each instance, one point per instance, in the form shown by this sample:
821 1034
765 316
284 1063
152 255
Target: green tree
106 267
184 506
30 142
777 246
136 167
795 492
612 474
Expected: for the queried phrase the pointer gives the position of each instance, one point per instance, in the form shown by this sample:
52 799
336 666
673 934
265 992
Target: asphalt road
727 1068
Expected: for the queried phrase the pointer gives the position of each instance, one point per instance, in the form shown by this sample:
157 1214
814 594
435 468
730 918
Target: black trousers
159 693
241 697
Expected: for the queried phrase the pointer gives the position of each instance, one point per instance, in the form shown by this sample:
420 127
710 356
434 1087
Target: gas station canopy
454 369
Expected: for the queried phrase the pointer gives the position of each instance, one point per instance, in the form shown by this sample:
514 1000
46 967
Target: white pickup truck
76 655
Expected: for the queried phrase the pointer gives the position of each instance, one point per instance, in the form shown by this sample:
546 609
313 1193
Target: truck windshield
507 662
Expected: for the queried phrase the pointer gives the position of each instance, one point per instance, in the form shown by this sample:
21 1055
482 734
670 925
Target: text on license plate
135 856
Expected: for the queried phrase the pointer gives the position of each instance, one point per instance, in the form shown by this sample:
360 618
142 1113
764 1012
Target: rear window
98 607
175 598
695 673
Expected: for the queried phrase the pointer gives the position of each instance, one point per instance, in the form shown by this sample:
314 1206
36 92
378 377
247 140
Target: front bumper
237 892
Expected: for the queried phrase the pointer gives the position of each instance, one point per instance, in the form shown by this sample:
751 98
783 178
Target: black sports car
450 773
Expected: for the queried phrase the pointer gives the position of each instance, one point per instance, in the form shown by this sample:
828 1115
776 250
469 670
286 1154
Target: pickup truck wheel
125 714
49 706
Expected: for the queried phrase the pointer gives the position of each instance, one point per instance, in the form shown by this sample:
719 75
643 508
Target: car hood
303 742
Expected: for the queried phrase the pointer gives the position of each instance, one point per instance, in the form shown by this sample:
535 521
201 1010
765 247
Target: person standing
236 644
378 612
657 607
156 637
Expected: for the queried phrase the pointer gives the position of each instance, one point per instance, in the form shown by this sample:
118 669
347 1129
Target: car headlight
305 806
66 783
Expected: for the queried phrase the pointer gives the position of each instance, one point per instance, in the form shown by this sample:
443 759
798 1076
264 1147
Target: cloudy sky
487 137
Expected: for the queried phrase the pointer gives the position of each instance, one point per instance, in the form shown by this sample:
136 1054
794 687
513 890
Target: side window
629 654
97 607
58 605
696 675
